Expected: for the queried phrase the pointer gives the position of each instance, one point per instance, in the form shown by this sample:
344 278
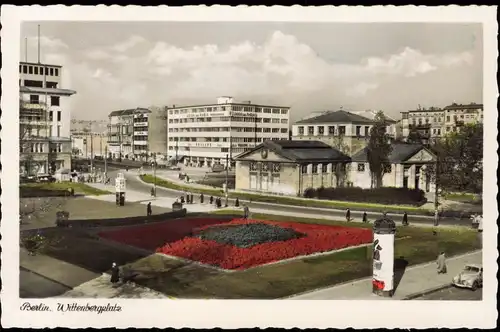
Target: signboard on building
247 114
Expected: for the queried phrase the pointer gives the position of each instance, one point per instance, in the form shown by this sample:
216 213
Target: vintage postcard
192 166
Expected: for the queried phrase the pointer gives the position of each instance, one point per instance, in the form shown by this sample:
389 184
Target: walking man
348 215
365 217
405 219
149 210
115 273
441 263
211 200
246 212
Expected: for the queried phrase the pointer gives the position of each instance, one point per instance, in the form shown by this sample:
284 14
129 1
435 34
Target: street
454 294
133 183
32 285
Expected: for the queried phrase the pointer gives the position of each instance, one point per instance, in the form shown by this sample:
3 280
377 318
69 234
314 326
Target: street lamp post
436 196
105 164
227 177
154 174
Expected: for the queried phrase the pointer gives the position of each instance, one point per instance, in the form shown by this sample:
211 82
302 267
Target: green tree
340 169
378 149
460 160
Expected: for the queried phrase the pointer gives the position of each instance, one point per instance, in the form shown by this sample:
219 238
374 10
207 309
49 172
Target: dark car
46 178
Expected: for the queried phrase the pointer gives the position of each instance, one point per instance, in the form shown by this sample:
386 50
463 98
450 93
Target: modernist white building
44 119
436 122
204 135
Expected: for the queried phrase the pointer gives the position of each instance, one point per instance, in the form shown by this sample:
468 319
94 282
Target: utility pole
91 152
105 163
436 194
154 174
227 178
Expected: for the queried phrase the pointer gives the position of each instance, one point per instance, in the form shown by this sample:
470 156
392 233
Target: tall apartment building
204 135
342 130
44 119
158 130
128 133
436 122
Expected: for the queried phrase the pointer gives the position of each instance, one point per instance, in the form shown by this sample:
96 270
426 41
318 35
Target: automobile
471 277
45 178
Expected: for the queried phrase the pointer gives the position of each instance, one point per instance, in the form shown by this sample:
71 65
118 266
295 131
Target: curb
326 209
426 292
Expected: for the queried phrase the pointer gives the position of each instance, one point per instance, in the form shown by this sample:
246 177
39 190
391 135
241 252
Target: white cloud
282 68
128 44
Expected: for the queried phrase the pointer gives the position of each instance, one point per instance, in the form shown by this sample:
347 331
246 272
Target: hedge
25 192
385 195
63 221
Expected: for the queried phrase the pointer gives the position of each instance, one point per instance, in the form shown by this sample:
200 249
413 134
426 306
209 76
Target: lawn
79 188
292 200
463 197
186 280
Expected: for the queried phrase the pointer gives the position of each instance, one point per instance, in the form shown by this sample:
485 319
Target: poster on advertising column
383 261
383 257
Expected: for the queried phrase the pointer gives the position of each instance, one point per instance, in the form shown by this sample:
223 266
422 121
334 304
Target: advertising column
120 189
384 231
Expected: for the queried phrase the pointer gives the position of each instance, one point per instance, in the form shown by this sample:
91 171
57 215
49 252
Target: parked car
471 277
216 168
45 178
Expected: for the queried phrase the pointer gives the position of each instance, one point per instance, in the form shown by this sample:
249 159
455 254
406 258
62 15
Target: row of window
221 139
38 70
233 129
228 118
250 109
40 148
54 100
362 168
331 130
38 84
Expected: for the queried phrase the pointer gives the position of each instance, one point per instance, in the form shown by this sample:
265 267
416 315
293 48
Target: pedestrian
441 263
405 219
187 199
182 199
152 192
237 202
219 202
201 198
246 212
348 215
192 199
211 200
115 273
365 217
149 210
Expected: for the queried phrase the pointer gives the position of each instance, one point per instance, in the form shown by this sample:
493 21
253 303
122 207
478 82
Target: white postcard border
245 313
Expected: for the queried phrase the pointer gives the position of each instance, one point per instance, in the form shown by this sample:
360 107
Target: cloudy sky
308 66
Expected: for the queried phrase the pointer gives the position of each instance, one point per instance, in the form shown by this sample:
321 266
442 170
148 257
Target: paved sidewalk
415 280
330 217
56 270
130 195
101 287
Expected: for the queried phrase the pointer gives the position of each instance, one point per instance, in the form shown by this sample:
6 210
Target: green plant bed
181 279
79 188
463 198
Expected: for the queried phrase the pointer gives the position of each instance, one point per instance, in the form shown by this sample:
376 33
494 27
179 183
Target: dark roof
461 106
301 151
130 111
400 152
337 116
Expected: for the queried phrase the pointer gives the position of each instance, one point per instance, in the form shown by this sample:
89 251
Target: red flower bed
174 238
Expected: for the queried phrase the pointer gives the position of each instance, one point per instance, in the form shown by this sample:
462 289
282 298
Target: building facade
436 122
128 133
290 167
345 131
406 168
44 119
87 144
205 135
158 131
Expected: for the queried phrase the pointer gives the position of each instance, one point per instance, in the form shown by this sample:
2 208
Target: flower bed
241 249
